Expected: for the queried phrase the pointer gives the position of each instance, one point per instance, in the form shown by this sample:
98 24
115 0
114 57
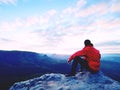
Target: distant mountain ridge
22 65
112 57
26 59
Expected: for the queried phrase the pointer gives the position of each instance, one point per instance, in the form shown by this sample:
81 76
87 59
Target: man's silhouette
88 58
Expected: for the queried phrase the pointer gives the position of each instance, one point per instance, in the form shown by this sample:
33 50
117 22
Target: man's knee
77 58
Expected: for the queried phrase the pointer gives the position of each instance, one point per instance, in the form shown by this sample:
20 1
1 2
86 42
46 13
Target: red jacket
91 54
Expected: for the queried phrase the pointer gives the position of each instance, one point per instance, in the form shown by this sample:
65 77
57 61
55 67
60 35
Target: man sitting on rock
88 58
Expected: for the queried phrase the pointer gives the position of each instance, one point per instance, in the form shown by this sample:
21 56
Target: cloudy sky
59 26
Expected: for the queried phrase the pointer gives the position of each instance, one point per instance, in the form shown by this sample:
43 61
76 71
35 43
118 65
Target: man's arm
78 53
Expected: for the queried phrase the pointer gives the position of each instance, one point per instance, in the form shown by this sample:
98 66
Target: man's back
93 58
92 53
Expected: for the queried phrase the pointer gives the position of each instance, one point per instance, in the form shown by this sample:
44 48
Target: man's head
87 42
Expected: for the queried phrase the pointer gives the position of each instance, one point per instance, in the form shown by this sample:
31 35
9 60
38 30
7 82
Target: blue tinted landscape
39 31
21 65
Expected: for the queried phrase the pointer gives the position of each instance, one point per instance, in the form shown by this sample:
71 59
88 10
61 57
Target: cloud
12 25
81 3
8 1
64 31
5 40
29 21
114 6
72 10
97 9
110 43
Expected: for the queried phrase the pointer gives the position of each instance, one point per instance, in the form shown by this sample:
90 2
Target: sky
59 26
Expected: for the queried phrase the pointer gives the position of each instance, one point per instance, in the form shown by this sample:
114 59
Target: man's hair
87 42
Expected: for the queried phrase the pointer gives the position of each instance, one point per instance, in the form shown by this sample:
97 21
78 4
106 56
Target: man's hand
68 61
